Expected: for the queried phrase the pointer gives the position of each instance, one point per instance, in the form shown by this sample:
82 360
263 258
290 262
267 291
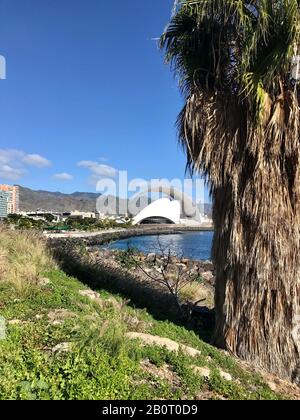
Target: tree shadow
142 295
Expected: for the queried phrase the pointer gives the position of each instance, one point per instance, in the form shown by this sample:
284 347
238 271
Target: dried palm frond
240 128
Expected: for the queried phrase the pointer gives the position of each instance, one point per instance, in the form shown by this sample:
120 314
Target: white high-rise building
13 198
3 204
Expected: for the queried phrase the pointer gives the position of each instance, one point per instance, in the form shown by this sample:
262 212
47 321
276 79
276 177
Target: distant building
80 214
13 198
3 204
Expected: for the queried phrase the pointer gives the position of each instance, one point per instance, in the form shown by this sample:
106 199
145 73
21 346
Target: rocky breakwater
101 237
190 283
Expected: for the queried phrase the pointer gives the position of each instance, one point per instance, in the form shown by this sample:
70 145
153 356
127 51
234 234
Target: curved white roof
163 207
188 210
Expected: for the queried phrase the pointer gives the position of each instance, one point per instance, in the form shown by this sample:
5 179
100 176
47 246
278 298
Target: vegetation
88 224
60 344
22 222
23 258
71 223
164 272
240 127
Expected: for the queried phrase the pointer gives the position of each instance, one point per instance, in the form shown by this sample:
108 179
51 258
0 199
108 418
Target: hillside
61 340
31 200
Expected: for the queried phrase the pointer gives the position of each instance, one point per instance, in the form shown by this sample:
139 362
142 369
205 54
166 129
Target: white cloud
63 176
10 155
99 170
11 174
87 163
14 163
36 160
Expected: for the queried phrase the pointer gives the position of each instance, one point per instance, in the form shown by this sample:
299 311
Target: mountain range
31 200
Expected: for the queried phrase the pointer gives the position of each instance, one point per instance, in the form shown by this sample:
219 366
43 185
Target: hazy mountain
55 201
58 202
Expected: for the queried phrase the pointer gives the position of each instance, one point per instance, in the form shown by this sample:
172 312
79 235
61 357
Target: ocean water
193 245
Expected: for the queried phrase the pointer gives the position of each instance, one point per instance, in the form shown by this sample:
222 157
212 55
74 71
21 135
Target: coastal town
160 211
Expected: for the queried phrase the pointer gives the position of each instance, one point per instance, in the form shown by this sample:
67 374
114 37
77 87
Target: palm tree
240 127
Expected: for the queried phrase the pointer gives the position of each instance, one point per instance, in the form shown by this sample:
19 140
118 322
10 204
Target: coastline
101 237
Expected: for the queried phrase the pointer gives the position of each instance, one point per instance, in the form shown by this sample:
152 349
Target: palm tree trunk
257 257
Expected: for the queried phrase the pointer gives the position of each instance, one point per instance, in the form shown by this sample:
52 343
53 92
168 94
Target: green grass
101 363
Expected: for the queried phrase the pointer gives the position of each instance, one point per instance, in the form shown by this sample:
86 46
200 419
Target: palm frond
240 127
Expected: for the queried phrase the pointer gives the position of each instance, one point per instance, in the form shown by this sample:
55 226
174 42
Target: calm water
194 245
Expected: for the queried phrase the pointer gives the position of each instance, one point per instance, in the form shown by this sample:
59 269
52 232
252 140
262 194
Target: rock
58 316
181 266
206 373
61 348
151 258
226 376
44 281
16 322
209 396
134 323
170 345
202 371
207 276
191 266
193 273
164 372
90 294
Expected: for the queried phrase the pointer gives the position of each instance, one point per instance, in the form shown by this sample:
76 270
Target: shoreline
102 237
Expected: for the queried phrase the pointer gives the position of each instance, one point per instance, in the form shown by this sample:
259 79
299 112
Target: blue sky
86 91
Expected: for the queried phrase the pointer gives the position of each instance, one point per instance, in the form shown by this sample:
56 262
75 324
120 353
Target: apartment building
3 204
13 198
